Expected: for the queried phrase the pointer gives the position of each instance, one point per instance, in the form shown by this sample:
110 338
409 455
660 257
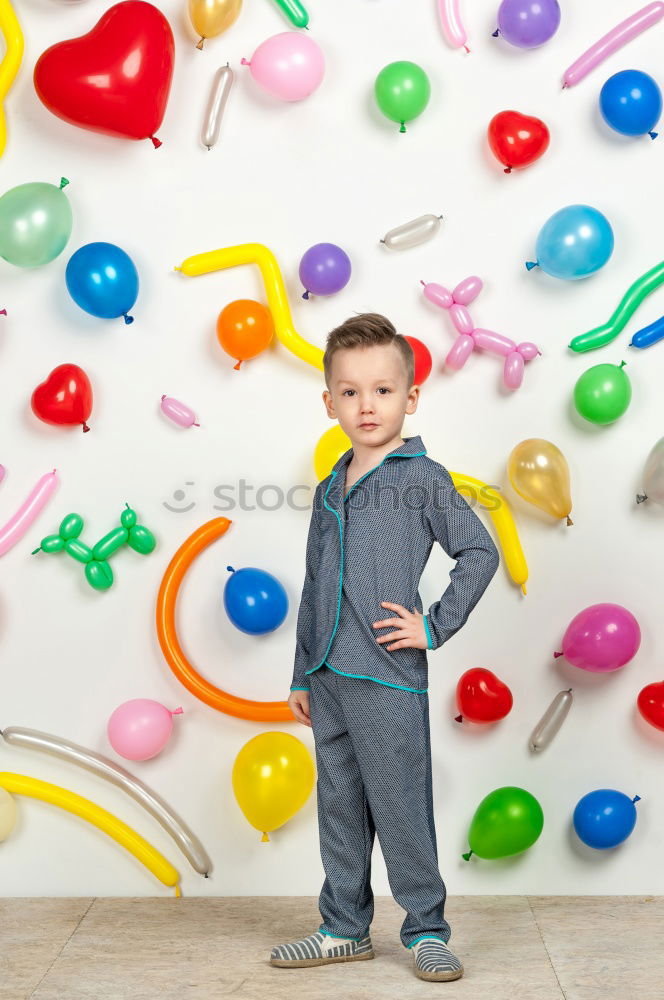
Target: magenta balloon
460 351
461 318
513 370
467 290
601 638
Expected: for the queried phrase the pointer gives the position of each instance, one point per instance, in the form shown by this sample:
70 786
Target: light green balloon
402 91
507 821
35 223
603 393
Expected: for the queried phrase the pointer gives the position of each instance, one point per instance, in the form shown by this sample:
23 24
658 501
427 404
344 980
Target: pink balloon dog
471 337
601 638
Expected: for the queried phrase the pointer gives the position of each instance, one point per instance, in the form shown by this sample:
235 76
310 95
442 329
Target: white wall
331 169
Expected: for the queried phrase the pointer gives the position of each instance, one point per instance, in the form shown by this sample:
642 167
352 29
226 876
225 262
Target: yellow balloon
539 473
273 775
331 446
22 784
275 289
8 814
334 442
211 17
9 67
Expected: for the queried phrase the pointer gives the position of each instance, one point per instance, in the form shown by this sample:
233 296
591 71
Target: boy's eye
383 388
347 390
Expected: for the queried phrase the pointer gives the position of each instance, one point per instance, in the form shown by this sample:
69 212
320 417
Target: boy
360 673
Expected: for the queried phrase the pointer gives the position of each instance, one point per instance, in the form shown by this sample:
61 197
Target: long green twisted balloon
629 303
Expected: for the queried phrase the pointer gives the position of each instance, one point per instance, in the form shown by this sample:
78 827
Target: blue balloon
631 103
255 601
648 335
575 242
102 279
605 818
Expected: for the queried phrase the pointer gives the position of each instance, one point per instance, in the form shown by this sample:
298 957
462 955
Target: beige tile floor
513 948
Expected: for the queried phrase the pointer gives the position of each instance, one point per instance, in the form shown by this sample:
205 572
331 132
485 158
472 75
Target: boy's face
368 393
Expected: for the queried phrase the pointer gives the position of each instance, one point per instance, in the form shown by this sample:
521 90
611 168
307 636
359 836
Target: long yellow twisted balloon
9 66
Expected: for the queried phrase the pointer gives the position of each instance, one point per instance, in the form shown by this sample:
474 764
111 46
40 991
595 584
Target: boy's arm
463 536
306 610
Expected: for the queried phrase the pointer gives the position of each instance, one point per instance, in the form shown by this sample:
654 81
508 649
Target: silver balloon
412 233
653 476
551 721
221 88
190 846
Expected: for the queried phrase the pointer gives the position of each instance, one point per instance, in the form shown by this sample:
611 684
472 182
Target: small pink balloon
513 370
3 472
467 290
140 729
461 318
438 294
460 352
488 340
178 412
528 351
290 65
601 638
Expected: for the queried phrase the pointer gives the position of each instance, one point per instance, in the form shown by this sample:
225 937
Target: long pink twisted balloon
452 25
470 336
612 41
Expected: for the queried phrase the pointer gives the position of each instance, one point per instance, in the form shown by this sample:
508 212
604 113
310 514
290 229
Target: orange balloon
244 328
242 708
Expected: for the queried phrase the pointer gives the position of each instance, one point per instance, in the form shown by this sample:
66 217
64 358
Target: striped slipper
434 961
320 949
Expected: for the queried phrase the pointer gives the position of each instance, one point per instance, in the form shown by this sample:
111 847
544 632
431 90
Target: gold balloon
538 472
273 775
211 17
331 446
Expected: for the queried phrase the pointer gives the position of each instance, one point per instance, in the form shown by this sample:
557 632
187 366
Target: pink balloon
178 412
290 65
140 729
528 350
461 318
18 524
460 351
452 25
612 41
513 370
467 290
3 472
487 340
601 638
438 294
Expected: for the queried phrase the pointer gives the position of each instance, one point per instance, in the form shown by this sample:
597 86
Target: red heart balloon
64 398
517 140
482 697
651 704
115 79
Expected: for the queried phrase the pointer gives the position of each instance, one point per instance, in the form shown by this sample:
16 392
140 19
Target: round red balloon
64 398
651 704
423 360
116 79
482 697
517 140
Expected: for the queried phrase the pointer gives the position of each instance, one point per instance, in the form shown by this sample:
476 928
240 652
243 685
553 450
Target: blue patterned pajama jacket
369 706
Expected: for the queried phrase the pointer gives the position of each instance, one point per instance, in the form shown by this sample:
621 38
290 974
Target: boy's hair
364 330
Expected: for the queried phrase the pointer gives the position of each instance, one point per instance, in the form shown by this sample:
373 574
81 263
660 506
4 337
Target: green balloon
507 821
627 306
402 91
142 540
35 223
99 574
603 393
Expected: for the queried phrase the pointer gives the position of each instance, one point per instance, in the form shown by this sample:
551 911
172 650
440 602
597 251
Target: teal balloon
575 242
35 223
507 821
402 91
603 393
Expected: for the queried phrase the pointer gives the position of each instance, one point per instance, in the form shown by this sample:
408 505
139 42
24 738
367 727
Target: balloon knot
199 44
467 49
3 312
230 569
403 127
640 497
237 366
653 135
556 655
622 364
265 839
35 551
155 141
569 521
496 33
85 427
637 798
306 295
466 857
63 183
245 62
178 711
458 718
530 264
565 86
128 319
507 170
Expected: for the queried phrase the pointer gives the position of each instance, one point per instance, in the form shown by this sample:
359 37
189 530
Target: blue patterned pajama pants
373 756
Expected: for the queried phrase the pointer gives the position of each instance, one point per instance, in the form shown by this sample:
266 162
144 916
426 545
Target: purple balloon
600 638
528 23
324 269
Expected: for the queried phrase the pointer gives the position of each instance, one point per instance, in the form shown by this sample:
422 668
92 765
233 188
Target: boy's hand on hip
298 703
410 626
